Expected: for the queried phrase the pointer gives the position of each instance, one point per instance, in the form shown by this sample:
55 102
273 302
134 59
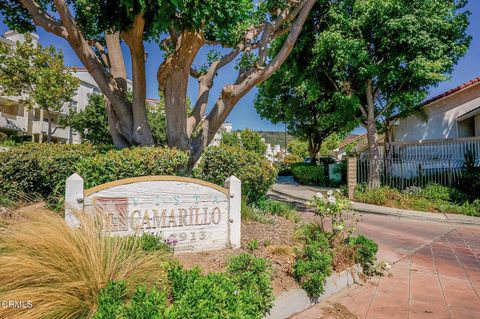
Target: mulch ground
274 243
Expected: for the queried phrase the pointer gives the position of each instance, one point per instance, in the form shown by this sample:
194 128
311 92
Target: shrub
182 279
110 300
61 269
252 212
276 207
309 174
244 291
313 264
378 196
152 242
3 137
146 304
254 170
330 208
470 183
438 192
253 276
290 159
40 168
284 166
213 296
365 253
131 162
252 245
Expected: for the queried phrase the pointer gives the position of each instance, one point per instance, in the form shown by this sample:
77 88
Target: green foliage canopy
247 139
301 95
400 47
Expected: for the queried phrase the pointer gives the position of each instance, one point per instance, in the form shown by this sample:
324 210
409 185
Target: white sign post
191 214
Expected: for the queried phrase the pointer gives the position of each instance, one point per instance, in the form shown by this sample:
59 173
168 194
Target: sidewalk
293 191
435 262
439 279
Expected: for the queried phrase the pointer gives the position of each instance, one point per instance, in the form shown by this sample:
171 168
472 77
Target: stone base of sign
296 300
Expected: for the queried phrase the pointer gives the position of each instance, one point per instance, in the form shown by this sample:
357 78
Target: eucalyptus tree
96 29
386 54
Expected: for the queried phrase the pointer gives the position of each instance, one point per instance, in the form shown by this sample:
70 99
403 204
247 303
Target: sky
244 114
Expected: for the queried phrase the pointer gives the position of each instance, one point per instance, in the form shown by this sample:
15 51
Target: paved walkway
435 272
431 277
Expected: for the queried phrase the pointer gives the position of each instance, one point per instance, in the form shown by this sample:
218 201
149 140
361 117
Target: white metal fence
422 163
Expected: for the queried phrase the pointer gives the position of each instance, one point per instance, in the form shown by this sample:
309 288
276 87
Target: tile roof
452 91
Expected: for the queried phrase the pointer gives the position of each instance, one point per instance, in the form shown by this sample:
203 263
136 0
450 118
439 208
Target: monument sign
190 214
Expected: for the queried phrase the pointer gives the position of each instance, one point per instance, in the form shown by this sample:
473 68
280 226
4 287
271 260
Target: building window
466 128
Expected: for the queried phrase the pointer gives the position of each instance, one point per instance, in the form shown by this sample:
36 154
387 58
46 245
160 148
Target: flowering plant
330 207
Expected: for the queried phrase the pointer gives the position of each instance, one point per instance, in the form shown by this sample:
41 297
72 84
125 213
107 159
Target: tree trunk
372 137
176 110
313 149
49 129
142 134
117 138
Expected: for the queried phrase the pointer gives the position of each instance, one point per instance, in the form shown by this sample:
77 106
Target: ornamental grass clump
61 270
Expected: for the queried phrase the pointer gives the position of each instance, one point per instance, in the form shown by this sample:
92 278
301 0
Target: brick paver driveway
435 273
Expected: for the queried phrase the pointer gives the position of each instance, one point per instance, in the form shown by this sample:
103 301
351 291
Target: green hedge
309 174
255 171
43 168
131 162
40 168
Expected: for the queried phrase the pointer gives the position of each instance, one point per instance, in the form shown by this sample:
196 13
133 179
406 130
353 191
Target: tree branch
42 19
68 21
390 103
117 62
205 83
102 52
232 93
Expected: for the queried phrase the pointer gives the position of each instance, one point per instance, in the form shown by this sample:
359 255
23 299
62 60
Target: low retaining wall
296 300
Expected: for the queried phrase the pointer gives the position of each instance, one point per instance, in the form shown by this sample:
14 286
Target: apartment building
16 119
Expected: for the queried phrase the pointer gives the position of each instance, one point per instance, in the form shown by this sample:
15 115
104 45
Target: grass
278 208
61 270
432 198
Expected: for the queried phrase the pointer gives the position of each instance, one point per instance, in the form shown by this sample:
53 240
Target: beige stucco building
16 119
451 115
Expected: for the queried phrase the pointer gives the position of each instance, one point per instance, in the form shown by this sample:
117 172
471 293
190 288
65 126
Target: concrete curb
397 212
296 300
404 213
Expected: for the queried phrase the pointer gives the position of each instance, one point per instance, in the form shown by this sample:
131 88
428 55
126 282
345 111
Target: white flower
332 200
386 266
318 195
330 193
338 227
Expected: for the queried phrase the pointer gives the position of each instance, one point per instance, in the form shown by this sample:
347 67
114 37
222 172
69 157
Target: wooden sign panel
190 214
